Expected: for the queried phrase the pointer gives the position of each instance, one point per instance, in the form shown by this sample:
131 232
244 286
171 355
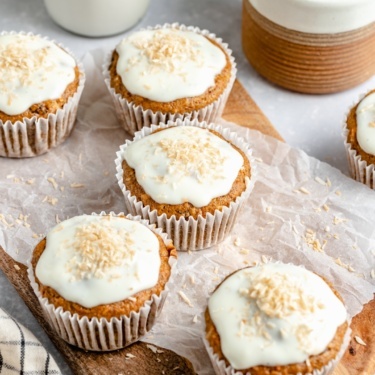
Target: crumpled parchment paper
301 211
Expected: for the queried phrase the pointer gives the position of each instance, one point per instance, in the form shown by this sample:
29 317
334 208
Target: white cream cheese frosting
365 116
274 314
95 260
33 70
184 164
168 64
318 16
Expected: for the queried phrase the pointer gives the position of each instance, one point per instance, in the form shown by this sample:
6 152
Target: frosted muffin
188 178
275 318
169 72
359 133
103 278
40 87
310 46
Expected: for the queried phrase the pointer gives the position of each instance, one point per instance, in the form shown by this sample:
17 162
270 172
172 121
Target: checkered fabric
20 351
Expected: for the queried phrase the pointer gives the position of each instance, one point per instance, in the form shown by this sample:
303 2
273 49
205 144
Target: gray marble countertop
309 122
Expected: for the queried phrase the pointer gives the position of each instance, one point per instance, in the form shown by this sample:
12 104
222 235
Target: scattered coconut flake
237 241
264 259
304 191
295 229
327 229
153 348
329 184
336 236
185 298
338 192
192 279
10 176
53 182
372 273
269 209
313 242
325 207
216 270
57 219
320 181
51 200
359 341
129 356
339 220
62 175
17 267
195 319
132 299
62 188
76 185
30 181
244 251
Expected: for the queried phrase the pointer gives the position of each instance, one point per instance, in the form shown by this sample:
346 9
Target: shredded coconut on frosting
20 64
99 247
196 157
167 50
279 297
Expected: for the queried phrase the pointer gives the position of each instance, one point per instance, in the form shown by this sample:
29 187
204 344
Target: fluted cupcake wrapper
133 118
102 334
190 234
359 169
35 136
221 368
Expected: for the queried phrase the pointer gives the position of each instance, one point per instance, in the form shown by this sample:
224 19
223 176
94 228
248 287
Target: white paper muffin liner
35 136
102 334
133 118
359 169
221 368
190 234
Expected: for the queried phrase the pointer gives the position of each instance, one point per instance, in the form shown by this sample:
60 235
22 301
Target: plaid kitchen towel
21 352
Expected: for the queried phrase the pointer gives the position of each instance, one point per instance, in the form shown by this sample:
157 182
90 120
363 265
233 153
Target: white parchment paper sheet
291 208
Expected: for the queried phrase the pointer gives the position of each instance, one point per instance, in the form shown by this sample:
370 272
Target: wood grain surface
358 359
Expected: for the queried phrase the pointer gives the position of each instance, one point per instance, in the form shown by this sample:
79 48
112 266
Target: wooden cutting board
141 358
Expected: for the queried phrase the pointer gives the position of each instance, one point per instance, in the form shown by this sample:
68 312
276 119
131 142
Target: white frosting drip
168 64
318 16
184 164
366 124
33 70
132 252
254 332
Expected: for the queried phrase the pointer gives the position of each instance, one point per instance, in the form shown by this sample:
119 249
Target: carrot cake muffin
169 72
40 86
360 139
310 46
275 318
95 272
183 173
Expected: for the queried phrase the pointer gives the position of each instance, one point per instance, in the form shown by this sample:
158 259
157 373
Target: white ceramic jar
96 17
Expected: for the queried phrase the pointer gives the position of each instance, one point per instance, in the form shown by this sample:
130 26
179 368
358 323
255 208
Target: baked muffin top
184 164
361 128
33 70
97 260
273 315
168 64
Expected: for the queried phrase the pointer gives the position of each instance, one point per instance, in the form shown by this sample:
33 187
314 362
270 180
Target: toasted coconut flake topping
166 51
278 297
98 249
